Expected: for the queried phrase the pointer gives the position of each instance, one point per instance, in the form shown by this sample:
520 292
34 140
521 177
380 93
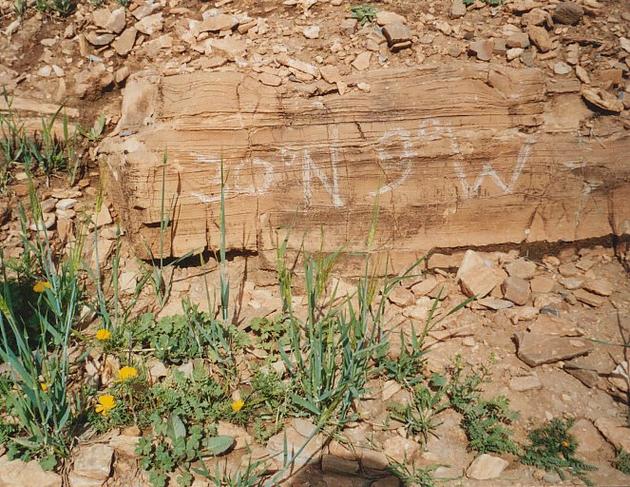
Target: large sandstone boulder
454 155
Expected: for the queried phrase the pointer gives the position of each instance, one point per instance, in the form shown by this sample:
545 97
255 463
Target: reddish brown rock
535 349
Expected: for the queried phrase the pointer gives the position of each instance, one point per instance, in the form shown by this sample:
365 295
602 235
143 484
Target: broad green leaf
218 444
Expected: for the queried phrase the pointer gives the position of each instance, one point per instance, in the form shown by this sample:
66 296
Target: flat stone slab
536 349
455 154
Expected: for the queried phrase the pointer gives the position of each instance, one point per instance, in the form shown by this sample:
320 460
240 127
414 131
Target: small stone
540 38
541 284
588 298
571 283
125 445
615 431
124 43
480 281
552 325
537 16
333 464
299 65
94 461
116 21
103 217
522 268
383 17
561 68
122 74
143 10
269 79
523 6
218 23
573 54
16 473
365 87
150 24
569 13
390 388
602 99
396 33
458 9
311 32
99 39
536 349
399 46
568 270
362 61
444 27
424 287
495 303
401 296
582 75
519 39
482 49
525 383
486 467
624 42
401 449
513 53
75 480
599 286
516 290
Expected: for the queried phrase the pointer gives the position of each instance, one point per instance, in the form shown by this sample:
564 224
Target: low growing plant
419 415
622 462
485 421
364 13
553 448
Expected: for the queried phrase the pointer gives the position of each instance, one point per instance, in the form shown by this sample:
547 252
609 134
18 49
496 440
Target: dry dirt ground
553 323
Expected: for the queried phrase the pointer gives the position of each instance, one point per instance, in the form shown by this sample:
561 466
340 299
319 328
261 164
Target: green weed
622 462
172 447
252 475
42 150
485 421
419 416
62 8
36 393
553 448
413 475
363 13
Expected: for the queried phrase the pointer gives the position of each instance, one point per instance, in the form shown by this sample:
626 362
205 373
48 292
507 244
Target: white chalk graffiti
406 156
471 191
328 177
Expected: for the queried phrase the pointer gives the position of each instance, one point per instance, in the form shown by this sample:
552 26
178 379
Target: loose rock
568 13
602 100
516 290
536 349
94 461
540 38
486 467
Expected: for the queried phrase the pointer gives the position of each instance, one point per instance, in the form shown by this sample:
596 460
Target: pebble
311 32
562 68
568 13
362 61
486 467
482 49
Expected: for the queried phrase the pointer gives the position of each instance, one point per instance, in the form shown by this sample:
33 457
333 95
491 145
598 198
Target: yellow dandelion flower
106 403
127 373
41 286
102 335
565 444
238 405
43 386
